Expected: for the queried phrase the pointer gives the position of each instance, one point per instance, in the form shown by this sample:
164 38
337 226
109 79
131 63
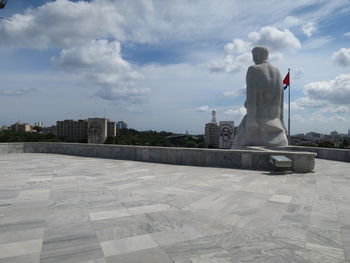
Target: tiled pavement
56 208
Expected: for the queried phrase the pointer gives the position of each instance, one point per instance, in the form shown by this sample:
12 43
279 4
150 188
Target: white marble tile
281 198
124 186
40 179
28 258
147 177
41 194
21 235
132 171
148 209
20 248
64 179
327 254
183 213
127 245
95 216
208 201
232 177
176 235
175 191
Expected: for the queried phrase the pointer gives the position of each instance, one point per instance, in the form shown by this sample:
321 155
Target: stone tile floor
56 208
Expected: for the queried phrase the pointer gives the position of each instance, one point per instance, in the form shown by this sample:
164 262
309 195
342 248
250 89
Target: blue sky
163 65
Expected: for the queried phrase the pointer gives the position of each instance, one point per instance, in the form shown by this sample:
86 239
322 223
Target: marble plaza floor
57 208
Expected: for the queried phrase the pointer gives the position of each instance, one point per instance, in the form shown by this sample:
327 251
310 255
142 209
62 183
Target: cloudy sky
163 65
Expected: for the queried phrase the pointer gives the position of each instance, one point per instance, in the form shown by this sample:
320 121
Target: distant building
111 128
97 130
334 133
39 124
211 136
313 135
21 127
122 125
47 130
92 130
349 132
226 134
72 131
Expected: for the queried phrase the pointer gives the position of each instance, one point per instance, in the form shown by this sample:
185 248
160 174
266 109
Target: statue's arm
279 84
251 100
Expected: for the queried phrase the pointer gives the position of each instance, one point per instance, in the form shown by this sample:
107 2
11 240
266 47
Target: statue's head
260 54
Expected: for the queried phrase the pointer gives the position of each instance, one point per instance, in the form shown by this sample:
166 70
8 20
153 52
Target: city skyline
164 65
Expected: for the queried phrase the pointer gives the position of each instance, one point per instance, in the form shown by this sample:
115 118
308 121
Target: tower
213 116
212 132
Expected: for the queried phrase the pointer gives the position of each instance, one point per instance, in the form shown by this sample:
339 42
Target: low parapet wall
12 147
342 155
242 159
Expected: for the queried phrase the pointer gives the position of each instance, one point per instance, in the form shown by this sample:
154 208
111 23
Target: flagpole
289 107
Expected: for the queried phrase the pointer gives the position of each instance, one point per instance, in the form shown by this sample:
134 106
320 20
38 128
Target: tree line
123 137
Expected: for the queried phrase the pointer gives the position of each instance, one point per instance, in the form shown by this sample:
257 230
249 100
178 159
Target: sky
164 65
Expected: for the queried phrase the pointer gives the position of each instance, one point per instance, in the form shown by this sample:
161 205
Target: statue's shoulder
253 68
257 69
274 69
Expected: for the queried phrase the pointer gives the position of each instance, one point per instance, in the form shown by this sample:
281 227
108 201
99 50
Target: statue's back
268 85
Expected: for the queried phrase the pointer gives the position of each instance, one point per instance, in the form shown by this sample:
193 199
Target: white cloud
318 117
347 34
341 109
237 53
101 62
297 73
334 109
63 23
275 57
291 21
237 46
236 113
342 57
205 108
316 43
233 93
126 94
298 118
307 102
338 118
16 92
293 106
230 64
309 28
97 57
275 39
336 91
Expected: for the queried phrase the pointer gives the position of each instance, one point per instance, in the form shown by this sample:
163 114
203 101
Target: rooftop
58 208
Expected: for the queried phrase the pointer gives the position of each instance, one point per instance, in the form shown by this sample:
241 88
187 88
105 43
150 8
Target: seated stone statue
263 124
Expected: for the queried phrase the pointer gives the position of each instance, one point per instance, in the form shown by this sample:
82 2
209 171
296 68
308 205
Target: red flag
286 81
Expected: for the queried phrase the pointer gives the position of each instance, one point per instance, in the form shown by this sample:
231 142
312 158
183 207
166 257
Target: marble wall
303 162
